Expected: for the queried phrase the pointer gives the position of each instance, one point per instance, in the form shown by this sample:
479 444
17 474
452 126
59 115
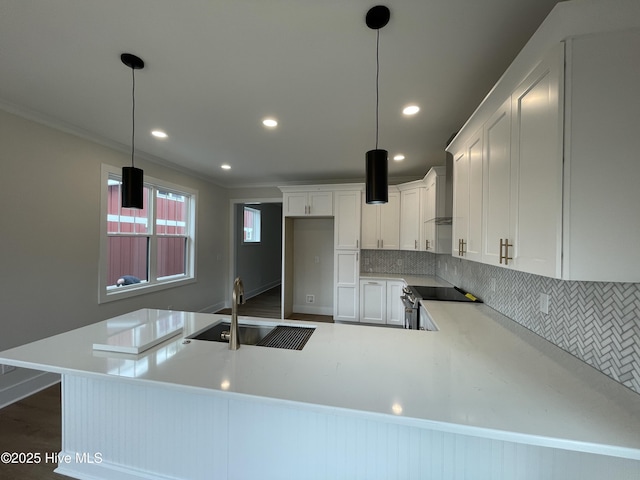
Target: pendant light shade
132 188
377 185
132 178
377 165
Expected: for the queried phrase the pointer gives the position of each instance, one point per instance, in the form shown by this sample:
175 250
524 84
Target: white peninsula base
146 431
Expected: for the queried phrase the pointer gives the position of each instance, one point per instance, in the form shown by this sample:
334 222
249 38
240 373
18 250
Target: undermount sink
249 334
274 336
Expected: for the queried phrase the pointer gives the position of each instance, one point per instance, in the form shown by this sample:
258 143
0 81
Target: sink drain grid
291 338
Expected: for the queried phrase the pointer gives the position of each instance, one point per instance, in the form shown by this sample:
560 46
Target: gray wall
260 265
598 322
49 245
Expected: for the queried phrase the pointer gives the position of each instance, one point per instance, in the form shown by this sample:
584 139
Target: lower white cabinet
346 272
380 302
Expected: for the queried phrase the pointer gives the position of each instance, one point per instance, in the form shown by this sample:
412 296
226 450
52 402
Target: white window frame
256 213
109 293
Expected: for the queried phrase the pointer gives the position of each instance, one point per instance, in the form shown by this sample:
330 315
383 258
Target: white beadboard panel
143 430
285 442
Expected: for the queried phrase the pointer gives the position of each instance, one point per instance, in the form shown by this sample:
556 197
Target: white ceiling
216 68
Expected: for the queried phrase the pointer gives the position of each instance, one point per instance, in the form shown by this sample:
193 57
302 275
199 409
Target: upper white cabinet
546 169
411 195
381 223
304 203
347 219
467 200
536 170
436 225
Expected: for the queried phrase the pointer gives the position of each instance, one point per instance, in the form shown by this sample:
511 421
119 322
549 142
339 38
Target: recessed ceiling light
225 166
270 122
159 134
399 157
411 110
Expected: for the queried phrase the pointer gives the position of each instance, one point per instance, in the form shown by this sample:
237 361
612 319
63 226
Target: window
251 225
148 249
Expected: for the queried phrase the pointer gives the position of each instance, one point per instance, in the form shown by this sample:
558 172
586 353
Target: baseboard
313 309
27 382
216 307
263 288
92 467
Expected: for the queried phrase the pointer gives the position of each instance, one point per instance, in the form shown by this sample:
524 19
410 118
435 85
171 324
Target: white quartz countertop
480 374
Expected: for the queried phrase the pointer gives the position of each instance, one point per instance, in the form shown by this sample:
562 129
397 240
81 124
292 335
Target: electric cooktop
446 294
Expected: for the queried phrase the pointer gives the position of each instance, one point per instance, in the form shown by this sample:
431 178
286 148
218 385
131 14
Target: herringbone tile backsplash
598 322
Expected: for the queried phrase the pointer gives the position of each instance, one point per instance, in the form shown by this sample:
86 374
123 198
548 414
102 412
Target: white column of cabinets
380 302
346 269
381 223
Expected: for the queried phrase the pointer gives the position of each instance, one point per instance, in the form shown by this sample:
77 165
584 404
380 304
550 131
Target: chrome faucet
237 298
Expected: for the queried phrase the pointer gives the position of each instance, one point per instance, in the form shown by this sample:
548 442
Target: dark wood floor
33 425
267 305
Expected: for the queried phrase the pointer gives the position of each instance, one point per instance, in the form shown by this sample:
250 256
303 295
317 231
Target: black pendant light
377 182
132 183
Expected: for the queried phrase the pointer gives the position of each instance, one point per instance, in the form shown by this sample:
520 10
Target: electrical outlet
544 303
399 262
311 298
316 259
493 285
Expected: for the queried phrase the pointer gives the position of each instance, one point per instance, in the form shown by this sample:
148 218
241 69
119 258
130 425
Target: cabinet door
429 215
497 186
373 301
320 204
346 288
473 249
390 223
410 219
294 204
537 125
347 219
460 220
395 307
370 225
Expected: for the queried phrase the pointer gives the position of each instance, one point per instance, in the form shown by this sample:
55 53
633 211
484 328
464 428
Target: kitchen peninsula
480 398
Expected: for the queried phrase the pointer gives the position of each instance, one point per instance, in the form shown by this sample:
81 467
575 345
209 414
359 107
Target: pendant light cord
133 114
377 81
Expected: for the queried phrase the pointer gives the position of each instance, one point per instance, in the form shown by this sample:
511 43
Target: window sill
128 291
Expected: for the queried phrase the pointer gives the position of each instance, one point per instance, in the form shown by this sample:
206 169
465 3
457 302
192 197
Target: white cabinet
395 307
346 273
496 190
436 226
555 139
410 215
380 302
347 219
601 230
536 164
318 203
381 223
373 301
467 200
347 254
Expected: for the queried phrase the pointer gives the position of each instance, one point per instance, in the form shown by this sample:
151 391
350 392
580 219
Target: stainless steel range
412 295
